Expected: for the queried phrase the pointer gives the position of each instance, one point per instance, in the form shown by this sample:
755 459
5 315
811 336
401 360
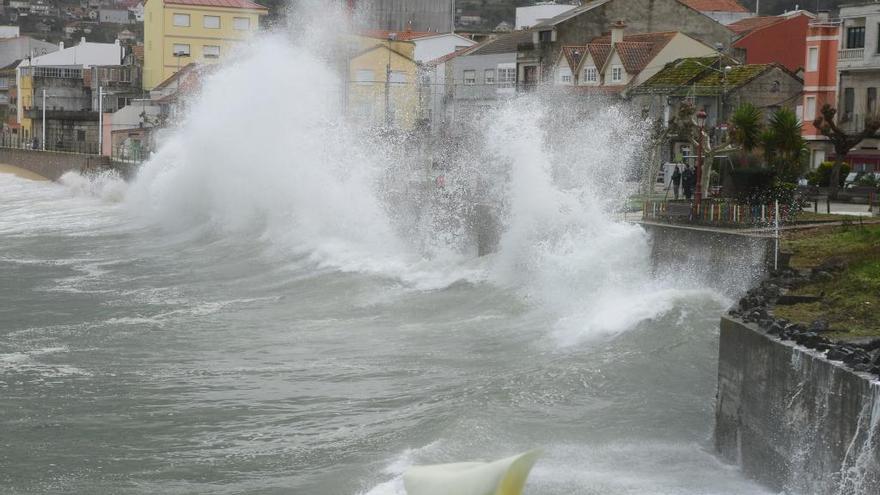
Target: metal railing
715 212
58 141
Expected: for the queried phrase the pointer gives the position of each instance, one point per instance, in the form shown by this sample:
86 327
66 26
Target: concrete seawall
728 261
792 419
52 164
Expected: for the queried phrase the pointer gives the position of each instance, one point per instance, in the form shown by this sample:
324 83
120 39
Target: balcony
851 54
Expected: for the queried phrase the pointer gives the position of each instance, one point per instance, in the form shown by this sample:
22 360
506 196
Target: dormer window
591 75
616 73
545 36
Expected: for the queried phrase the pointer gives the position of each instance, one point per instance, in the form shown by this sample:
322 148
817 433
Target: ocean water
278 304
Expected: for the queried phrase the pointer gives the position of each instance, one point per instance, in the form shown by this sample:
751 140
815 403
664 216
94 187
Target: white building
82 56
527 17
9 32
433 47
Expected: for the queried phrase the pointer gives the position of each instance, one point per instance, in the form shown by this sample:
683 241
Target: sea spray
281 163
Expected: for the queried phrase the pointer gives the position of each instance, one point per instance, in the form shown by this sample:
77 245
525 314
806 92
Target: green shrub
822 175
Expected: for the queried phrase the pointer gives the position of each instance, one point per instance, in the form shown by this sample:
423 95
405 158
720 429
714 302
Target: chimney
617 32
82 40
61 46
823 15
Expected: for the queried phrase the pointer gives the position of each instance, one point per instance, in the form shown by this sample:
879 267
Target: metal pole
698 195
388 91
776 250
100 120
44 120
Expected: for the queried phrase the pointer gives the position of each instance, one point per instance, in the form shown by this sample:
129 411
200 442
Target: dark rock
857 356
776 328
832 265
863 367
822 276
837 354
819 326
795 328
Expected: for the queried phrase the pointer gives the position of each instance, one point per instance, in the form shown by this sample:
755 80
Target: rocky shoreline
758 304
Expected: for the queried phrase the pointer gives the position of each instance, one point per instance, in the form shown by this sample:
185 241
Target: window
470 77
591 75
813 58
211 21
565 78
80 135
398 77
211 51
855 37
810 109
181 20
506 77
489 76
545 36
849 103
364 77
872 101
180 50
241 23
616 73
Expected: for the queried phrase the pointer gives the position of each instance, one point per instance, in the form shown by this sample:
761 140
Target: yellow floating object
504 477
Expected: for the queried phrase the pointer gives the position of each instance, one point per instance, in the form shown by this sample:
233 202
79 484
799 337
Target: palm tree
746 127
784 148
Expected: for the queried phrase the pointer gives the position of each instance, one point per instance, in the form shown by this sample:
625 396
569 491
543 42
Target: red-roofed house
723 11
179 32
781 39
429 46
616 62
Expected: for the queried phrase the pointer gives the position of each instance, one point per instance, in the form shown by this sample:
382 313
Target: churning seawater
271 306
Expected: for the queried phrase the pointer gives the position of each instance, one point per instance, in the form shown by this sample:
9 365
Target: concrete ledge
52 164
792 419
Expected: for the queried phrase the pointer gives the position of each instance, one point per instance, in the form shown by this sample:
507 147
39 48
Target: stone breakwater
757 307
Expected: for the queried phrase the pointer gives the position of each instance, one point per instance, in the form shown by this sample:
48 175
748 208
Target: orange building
820 81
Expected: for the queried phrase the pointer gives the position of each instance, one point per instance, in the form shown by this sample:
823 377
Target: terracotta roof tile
636 50
752 23
573 55
599 52
449 56
229 4
715 5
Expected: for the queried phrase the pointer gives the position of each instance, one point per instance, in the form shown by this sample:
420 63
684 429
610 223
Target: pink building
820 81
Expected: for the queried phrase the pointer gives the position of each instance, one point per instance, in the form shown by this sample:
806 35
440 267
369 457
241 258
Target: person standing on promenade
687 179
676 181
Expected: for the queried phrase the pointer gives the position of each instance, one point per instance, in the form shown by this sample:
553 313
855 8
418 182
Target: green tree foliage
746 125
822 175
785 151
842 141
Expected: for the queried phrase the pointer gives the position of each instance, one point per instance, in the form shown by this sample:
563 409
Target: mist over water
282 301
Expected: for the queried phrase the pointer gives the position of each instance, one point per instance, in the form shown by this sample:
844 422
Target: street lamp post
44 120
698 195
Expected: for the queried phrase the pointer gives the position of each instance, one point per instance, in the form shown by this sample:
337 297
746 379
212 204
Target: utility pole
100 120
44 120
388 88
698 196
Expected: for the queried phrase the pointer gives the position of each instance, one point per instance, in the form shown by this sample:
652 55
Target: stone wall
52 164
792 419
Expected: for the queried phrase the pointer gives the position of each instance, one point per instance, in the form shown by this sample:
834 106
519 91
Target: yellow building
178 32
383 83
